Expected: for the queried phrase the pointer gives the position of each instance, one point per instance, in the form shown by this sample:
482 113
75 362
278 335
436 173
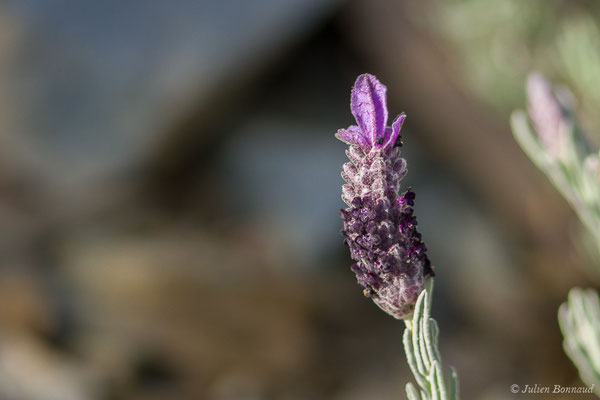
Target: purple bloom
546 114
379 225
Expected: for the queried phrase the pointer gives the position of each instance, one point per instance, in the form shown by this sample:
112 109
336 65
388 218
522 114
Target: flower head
547 115
390 259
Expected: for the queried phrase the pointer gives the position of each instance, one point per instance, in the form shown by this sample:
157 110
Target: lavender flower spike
547 115
379 225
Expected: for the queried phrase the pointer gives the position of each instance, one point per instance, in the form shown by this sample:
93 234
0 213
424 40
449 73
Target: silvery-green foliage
549 136
579 320
422 354
486 33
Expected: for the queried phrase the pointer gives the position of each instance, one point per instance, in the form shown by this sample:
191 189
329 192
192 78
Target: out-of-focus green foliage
549 136
497 43
578 47
579 320
559 150
575 175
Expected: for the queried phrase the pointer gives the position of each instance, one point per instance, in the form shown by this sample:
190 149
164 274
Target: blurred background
169 195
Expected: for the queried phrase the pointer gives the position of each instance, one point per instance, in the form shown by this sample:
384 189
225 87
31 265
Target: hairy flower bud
379 225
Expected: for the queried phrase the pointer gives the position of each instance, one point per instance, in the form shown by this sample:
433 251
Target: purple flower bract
547 115
379 225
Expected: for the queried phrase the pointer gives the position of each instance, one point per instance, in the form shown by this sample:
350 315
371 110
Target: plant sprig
579 319
421 347
560 150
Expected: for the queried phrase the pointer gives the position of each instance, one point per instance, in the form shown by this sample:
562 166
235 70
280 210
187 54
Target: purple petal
351 136
391 134
369 107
